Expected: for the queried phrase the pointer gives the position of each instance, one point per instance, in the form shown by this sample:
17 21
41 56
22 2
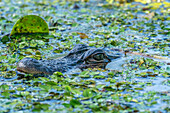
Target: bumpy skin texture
80 56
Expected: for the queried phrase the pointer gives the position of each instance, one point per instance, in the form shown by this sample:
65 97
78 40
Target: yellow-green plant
30 24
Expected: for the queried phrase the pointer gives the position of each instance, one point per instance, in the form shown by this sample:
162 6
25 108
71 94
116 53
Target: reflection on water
157 82
117 63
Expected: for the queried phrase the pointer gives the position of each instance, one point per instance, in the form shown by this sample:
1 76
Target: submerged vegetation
133 83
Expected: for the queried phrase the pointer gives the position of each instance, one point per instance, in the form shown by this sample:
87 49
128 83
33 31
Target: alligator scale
81 56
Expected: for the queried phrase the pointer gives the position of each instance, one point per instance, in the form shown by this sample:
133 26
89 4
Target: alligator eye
98 56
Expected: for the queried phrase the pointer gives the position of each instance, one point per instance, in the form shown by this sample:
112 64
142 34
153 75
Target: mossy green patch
30 24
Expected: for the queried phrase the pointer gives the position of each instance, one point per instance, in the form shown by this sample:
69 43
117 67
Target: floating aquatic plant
30 24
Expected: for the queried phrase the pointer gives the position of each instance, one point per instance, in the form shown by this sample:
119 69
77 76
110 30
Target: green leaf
51 83
87 93
30 24
4 87
39 106
23 44
5 94
99 77
66 105
5 39
58 74
84 74
68 88
3 57
74 102
45 87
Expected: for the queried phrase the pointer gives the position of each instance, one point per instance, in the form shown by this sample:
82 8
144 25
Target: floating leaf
141 62
87 93
5 94
5 39
39 106
68 88
99 77
4 87
30 24
66 105
74 102
58 74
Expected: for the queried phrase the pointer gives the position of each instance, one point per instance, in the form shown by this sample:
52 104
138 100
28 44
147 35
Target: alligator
81 56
